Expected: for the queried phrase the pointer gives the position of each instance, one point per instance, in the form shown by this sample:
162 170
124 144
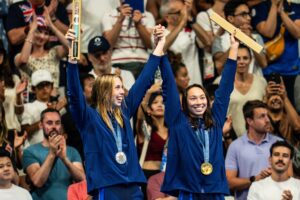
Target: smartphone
135 4
54 99
275 77
39 10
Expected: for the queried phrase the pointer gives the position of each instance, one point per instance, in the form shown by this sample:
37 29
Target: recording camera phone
274 77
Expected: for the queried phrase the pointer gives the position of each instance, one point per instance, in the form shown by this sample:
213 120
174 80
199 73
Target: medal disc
206 168
121 157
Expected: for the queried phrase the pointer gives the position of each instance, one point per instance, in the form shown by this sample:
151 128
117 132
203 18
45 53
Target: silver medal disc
121 158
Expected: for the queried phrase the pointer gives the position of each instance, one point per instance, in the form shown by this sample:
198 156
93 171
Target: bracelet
27 40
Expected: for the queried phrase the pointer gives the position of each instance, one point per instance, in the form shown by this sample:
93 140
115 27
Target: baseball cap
98 44
39 76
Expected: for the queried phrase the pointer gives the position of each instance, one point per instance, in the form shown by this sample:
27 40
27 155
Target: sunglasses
43 84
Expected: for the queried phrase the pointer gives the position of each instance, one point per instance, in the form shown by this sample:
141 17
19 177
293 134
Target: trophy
76 20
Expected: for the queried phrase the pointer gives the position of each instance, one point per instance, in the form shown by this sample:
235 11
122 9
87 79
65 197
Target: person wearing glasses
238 14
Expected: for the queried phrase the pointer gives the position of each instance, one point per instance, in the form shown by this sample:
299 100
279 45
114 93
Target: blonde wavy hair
102 99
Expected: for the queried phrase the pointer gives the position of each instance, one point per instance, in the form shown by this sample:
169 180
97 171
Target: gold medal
206 168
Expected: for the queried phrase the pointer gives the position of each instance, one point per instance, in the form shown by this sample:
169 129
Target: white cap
39 76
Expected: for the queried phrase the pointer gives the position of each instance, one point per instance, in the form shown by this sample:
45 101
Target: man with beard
247 157
284 118
51 165
99 54
278 186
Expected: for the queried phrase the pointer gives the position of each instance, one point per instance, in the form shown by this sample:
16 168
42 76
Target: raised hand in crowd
125 10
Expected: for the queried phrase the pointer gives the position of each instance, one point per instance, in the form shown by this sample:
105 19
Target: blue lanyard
117 134
205 146
181 196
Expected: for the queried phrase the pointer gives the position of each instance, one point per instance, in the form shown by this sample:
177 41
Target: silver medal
121 157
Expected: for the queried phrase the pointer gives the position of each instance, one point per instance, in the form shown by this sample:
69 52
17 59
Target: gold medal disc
206 168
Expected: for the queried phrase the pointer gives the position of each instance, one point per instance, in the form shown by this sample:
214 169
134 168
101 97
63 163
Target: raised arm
22 58
222 94
113 34
170 92
77 102
62 50
145 79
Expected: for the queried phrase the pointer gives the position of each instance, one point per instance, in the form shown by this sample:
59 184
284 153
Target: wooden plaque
239 34
76 21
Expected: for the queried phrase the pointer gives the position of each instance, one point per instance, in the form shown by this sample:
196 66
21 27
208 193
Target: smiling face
280 159
117 92
275 103
241 16
6 170
196 102
41 37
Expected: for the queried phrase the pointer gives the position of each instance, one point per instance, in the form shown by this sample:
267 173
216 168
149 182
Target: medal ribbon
205 146
117 134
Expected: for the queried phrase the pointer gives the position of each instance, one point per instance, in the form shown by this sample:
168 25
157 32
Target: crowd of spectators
41 152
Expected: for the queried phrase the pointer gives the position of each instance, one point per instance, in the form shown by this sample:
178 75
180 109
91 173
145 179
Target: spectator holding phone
128 31
284 119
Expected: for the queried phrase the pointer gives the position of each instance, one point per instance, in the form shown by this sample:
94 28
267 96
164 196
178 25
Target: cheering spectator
238 13
51 165
268 17
129 33
35 55
182 31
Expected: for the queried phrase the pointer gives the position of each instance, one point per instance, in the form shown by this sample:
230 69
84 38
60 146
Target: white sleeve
203 20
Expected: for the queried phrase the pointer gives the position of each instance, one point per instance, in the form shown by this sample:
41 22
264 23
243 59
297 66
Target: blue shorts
120 192
200 196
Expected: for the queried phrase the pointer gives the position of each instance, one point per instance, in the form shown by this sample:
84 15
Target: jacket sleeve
77 103
139 88
222 94
170 92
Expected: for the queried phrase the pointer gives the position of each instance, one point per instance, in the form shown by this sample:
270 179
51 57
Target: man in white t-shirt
42 85
9 191
129 34
279 186
238 13
99 54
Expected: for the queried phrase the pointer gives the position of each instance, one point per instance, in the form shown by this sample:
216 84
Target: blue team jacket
100 148
185 155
